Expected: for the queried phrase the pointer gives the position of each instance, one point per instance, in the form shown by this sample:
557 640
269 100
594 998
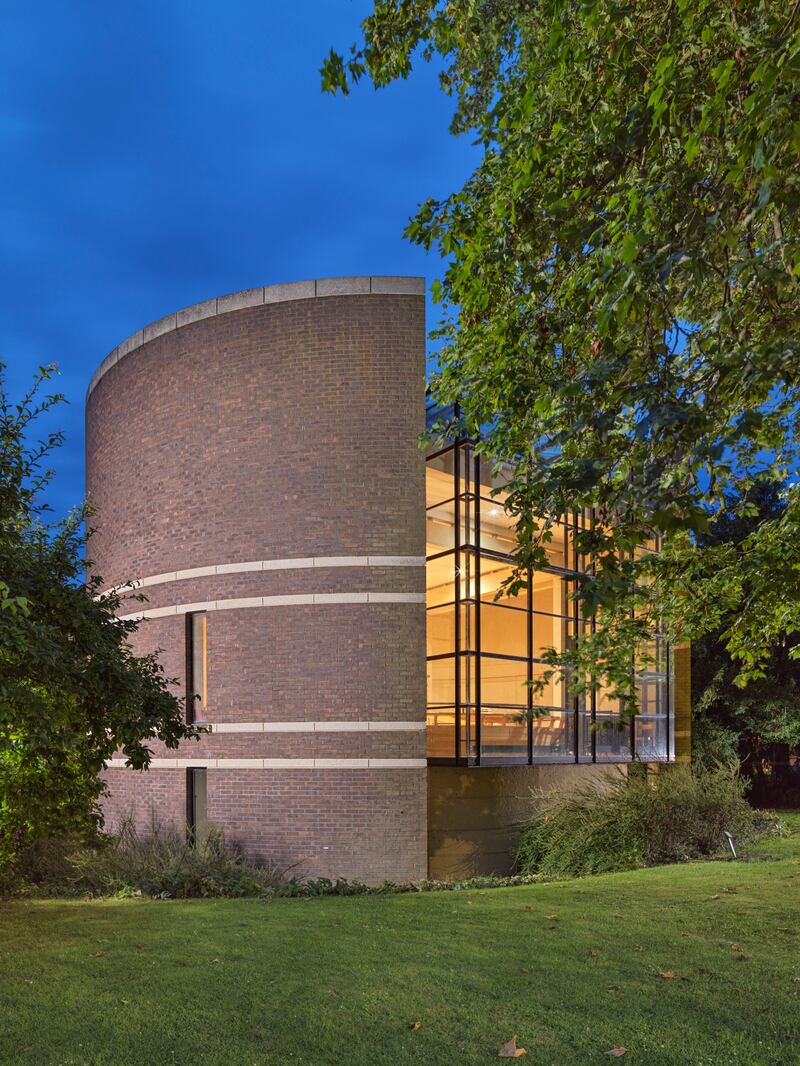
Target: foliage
621 293
306 888
72 691
730 722
166 864
628 822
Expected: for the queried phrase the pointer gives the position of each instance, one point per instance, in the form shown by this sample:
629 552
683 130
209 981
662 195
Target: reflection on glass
554 735
612 736
504 735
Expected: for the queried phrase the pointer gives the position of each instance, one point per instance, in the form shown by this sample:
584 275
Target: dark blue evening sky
160 153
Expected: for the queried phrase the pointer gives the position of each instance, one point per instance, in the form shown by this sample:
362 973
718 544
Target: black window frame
468 495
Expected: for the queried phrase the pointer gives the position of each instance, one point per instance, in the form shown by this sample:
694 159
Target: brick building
255 467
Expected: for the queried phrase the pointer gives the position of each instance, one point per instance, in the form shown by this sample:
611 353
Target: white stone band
258 566
276 764
313 727
301 600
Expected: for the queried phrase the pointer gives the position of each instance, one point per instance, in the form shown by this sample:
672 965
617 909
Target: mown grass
339 980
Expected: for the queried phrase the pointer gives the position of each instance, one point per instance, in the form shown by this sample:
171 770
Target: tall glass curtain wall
484 651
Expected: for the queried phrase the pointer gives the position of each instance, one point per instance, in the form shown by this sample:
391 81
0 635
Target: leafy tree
72 692
756 724
620 299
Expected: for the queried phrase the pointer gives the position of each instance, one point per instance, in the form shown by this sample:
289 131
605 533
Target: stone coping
266 294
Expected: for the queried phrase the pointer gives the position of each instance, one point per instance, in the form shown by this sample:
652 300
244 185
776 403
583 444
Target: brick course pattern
278 424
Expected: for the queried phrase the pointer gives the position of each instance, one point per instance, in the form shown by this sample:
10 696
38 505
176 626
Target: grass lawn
340 980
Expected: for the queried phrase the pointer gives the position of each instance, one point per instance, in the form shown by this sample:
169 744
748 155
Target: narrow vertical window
196 667
196 819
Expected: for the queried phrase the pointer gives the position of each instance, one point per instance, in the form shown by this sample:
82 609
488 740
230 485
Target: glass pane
441 629
504 630
558 547
550 631
441 732
441 681
491 478
550 594
504 681
498 528
439 527
554 736
504 735
613 736
652 690
493 575
552 691
439 480
651 736
440 578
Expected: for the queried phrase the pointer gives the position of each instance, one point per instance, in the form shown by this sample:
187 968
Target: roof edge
379 285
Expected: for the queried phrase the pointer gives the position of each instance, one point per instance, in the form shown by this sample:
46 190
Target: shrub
306 888
624 822
165 865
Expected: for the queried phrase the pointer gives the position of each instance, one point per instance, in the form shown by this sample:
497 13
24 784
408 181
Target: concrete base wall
475 813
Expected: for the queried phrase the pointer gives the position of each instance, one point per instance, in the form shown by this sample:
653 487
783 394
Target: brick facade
280 424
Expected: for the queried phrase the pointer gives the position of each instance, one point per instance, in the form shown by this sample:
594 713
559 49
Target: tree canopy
72 691
620 295
759 725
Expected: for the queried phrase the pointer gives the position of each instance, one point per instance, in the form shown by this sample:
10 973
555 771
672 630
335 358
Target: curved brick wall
256 456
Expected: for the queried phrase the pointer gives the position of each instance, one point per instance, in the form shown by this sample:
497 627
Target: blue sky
157 154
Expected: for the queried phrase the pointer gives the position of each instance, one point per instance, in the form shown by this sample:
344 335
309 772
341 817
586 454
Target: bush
306 888
624 822
165 865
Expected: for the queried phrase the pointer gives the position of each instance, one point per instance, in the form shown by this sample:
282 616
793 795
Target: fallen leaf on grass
528 910
413 1026
509 1050
617 1052
736 947
592 953
524 970
742 958
716 897
784 929
552 917
98 955
668 975
702 969
637 947
686 934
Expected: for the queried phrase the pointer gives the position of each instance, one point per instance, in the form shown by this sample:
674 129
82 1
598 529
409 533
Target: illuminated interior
484 653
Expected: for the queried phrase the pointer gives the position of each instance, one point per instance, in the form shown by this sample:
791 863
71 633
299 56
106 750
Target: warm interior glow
470 545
